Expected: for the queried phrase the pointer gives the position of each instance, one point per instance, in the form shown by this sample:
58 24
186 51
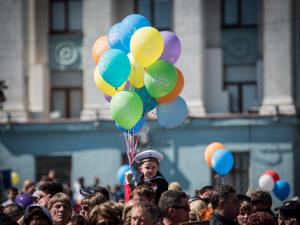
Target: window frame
66 19
152 14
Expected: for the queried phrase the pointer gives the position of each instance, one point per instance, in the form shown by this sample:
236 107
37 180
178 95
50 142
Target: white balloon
266 182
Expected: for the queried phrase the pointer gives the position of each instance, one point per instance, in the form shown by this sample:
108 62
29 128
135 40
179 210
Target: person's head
103 214
12 193
37 215
51 188
205 193
260 218
148 161
85 192
174 207
96 181
143 193
289 211
198 207
245 211
28 186
81 181
174 186
144 213
89 202
14 211
261 200
126 214
225 201
60 208
51 175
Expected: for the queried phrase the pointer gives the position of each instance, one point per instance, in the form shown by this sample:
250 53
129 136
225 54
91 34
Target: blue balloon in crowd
129 25
149 103
114 37
222 162
135 129
114 66
121 172
282 189
172 114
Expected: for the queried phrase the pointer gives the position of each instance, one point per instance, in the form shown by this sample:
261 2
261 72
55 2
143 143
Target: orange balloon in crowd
211 149
100 46
176 90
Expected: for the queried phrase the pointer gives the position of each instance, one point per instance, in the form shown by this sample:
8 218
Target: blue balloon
282 189
222 162
148 102
172 114
129 25
135 129
121 172
114 37
114 66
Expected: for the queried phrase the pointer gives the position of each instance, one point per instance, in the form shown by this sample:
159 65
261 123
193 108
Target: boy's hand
128 176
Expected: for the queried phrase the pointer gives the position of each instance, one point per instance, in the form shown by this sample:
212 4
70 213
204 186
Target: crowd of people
147 199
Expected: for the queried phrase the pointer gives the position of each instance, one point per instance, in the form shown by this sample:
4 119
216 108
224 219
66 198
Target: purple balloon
172 47
107 97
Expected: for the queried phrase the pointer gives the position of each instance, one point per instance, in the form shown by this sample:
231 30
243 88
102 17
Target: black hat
290 209
91 191
32 210
205 188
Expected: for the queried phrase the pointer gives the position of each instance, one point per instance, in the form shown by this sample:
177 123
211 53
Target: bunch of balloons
135 72
219 158
270 181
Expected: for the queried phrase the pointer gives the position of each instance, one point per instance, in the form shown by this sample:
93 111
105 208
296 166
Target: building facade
240 59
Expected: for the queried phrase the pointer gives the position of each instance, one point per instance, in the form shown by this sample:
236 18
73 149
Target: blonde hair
199 207
174 186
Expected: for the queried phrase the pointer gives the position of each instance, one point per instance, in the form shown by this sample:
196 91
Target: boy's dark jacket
158 184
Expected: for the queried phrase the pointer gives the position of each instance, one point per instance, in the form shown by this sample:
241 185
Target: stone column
12 64
97 19
188 20
277 58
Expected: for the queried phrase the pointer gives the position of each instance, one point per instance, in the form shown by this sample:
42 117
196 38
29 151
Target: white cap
148 155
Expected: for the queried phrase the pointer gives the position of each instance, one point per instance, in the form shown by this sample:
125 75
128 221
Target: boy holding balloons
148 161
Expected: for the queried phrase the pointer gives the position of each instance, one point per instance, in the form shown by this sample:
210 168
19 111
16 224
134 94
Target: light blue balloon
282 189
114 66
121 172
114 37
136 128
172 114
149 103
129 25
222 162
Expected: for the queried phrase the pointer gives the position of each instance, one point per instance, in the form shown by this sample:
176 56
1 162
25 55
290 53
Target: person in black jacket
148 161
225 204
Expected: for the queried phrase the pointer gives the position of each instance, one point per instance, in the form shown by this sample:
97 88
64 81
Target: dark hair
170 199
77 220
261 218
220 192
92 200
14 211
91 191
262 196
51 188
103 213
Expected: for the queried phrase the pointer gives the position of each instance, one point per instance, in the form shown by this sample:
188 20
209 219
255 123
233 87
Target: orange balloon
100 46
176 90
210 150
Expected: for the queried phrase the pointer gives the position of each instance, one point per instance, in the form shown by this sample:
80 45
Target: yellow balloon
14 178
104 86
146 45
136 76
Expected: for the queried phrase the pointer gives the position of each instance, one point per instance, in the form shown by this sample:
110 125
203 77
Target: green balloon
160 78
126 108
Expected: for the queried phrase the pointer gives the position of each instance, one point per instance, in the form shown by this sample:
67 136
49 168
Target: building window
239 44
65 16
66 94
239 13
159 12
238 177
